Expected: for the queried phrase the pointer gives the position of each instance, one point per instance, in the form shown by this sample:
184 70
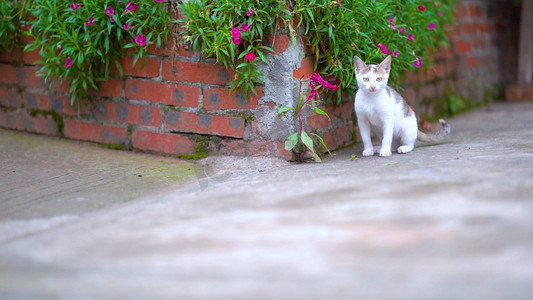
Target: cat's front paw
385 152
368 152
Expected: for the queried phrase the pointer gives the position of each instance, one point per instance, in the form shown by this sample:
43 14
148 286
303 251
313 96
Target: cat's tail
436 136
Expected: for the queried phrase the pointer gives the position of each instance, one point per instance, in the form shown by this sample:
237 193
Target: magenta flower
392 26
317 78
110 12
411 37
383 48
127 26
250 56
75 6
130 6
140 40
431 26
159 0
236 36
418 62
440 13
249 13
401 30
395 53
90 22
421 8
245 27
391 19
68 62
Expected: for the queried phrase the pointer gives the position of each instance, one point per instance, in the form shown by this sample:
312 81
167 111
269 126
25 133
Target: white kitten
381 110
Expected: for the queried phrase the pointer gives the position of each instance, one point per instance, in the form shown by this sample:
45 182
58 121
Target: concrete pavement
447 221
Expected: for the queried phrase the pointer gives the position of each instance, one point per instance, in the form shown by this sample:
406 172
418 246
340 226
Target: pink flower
315 77
245 27
418 62
391 19
249 13
383 48
130 6
58 47
68 62
236 35
140 40
440 13
110 12
250 56
127 26
401 30
159 0
411 37
75 6
421 8
90 22
395 53
431 26
392 26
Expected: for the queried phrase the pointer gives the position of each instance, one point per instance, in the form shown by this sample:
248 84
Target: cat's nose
373 87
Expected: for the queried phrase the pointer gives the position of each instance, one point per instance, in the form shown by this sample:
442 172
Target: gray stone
447 221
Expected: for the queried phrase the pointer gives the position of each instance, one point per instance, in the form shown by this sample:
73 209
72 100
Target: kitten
381 110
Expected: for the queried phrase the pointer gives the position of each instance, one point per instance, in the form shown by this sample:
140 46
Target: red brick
316 121
345 110
36 101
10 56
168 143
162 92
40 124
113 88
463 46
485 27
151 67
196 72
185 50
220 98
11 119
9 97
31 57
166 49
205 124
128 113
23 76
278 42
88 131
306 69
468 28
472 62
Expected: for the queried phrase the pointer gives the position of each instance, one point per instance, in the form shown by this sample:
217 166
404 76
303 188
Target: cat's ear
385 64
359 64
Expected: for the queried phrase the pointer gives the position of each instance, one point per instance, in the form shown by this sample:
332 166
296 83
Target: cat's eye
379 79
366 79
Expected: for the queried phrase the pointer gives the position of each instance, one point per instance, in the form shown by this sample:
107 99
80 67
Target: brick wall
182 105
479 62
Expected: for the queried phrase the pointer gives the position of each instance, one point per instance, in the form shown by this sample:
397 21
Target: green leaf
321 112
291 141
283 110
308 142
319 138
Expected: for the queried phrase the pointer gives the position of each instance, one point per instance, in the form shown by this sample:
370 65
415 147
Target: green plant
9 17
79 41
335 31
233 33
300 142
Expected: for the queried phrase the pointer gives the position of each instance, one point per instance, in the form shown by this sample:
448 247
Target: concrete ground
447 221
